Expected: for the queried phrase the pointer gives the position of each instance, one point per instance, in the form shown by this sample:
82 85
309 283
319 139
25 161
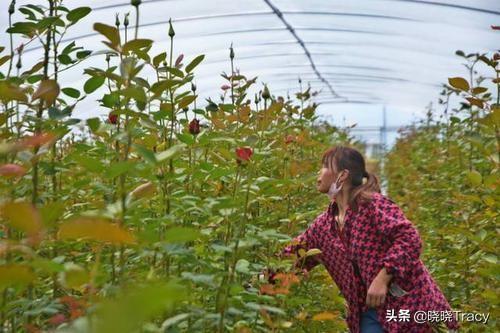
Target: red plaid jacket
377 235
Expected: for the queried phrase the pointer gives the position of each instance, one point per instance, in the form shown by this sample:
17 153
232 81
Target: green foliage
138 224
449 186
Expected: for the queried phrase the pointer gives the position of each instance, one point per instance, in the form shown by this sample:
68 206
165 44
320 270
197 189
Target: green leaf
47 266
313 252
77 14
71 92
22 216
185 101
181 234
186 138
56 113
111 33
174 71
136 93
64 59
132 308
15 275
35 8
199 278
24 28
46 22
159 87
95 229
29 14
136 44
111 100
94 124
159 59
491 258
51 212
83 54
147 154
89 163
119 168
11 92
459 83
474 178
93 84
194 63
242 266
169 153
69 48
172 321
258 307
34 78
4 59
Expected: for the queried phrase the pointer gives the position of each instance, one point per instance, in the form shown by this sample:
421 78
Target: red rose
194 126
244 153
113 118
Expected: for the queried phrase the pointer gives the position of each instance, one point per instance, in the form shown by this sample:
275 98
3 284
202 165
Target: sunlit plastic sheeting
381 52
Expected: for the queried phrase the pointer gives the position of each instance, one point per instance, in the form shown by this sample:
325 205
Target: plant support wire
289 27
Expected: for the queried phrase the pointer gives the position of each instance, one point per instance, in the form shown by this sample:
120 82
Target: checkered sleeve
406 244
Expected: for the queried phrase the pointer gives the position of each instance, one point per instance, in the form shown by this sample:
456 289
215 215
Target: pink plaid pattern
377 235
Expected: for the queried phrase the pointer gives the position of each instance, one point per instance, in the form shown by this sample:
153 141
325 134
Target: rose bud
113 118
171 31
289 139
244 153
178 61
194 126
265 93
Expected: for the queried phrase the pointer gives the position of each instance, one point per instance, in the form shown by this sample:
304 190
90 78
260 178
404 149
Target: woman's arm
405 248
305 241
406 244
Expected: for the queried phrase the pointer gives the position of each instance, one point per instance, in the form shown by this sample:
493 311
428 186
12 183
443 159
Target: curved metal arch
435 3
362 15
302 44
297 54
420 2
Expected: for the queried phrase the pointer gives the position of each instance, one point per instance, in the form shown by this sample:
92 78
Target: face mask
334 189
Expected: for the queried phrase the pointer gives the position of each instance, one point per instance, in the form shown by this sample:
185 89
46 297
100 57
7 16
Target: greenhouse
249 166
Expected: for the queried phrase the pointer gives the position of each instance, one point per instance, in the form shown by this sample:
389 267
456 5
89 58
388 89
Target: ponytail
364 191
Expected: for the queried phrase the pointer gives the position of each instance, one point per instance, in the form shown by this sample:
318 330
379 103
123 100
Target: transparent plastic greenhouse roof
363 54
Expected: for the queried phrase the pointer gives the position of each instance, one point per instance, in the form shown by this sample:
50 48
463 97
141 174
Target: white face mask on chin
334 189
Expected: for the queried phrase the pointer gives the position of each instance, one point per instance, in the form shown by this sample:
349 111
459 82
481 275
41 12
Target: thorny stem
34 196
136 21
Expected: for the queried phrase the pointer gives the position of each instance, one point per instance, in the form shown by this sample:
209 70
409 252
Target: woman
371 251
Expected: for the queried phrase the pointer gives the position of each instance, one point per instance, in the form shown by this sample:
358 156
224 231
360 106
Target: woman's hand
377 292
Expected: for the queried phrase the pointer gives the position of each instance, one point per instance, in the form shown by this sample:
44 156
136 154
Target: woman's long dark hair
343 157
